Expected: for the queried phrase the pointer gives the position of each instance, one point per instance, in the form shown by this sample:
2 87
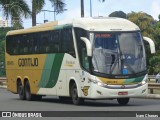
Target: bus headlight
145 80
99 83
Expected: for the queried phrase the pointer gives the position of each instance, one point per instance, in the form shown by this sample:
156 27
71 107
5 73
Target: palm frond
38 5
102 0
15 10
58 5
25 10
11 6
17 23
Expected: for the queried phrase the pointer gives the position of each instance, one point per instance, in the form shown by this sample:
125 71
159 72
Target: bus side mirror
88 45
151 44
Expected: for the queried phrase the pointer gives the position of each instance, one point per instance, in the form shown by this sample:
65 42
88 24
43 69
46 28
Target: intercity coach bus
85 58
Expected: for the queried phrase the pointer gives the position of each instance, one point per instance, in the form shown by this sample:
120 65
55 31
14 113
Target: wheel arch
71 82
19 79
25 80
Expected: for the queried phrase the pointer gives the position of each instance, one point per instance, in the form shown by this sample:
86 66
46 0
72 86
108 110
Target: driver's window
85 62
82 52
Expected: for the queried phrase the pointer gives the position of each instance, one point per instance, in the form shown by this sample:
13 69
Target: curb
150 96
153 96
4 87
3 84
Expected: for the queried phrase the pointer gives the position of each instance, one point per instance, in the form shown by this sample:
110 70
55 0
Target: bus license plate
123 93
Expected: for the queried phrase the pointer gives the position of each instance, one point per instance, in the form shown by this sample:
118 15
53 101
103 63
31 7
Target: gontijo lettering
28 62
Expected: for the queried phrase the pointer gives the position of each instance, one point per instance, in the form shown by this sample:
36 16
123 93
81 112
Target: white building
3 23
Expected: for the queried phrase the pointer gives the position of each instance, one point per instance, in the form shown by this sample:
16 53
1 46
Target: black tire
37 97
20 90
63 99
123 101
74 95
28 94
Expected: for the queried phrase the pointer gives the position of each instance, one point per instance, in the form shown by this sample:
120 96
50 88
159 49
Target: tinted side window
9 44
35 43
67 42
54 42
44 40
14 45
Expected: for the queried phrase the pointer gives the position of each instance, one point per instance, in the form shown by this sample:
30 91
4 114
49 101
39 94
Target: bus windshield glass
118 53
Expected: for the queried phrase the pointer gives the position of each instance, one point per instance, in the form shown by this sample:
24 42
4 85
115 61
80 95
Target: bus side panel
50 74
26 68
12 71
63 71
11 82
68 68
33 71
72 70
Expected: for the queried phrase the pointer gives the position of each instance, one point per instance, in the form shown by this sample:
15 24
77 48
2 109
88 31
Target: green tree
119 14
159 17
155 60
37 6
154 64
3 32
15 10
150 28
144 21
2 59
156 28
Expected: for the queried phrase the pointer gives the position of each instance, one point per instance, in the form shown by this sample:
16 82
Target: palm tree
37 6
82 7
16 11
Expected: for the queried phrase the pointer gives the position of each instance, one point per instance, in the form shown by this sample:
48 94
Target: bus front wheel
123 101
74 94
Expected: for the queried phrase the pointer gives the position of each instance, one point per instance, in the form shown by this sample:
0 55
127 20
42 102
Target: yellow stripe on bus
112 81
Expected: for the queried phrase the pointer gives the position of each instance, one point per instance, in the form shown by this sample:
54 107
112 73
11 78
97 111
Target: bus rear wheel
20 90
28 94
74 95
123 101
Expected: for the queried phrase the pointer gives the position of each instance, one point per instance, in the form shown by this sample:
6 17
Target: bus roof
90 24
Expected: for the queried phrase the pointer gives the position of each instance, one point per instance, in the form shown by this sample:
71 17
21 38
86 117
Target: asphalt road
11 102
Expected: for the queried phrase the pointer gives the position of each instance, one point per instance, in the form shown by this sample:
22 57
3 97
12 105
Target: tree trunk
82 8
33 14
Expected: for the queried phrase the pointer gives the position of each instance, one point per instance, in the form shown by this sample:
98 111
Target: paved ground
11 102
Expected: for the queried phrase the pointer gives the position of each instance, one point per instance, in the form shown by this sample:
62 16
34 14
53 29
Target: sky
151 7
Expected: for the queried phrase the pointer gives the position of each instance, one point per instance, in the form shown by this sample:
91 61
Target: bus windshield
118 53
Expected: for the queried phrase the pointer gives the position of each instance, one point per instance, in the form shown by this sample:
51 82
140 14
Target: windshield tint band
120 76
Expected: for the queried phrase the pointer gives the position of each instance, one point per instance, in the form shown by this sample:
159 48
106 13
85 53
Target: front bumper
98 92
